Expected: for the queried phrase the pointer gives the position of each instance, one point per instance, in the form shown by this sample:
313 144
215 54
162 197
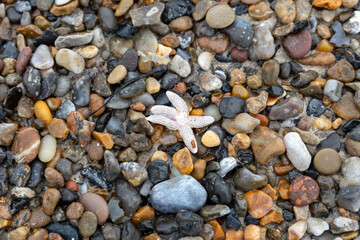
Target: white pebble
297 151
226 165
47 148
205 59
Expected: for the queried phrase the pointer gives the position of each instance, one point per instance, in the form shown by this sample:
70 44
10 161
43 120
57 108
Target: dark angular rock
96 177
231 106
218 190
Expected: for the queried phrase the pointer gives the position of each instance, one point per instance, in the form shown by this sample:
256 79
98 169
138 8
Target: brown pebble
258 202
39 218
23 59
96 101
214 44
239 55
55 236
26 145
5 208
50 200
199 169
54 177
95 150
39 234
80 128
21 219
58 128
96 204
74 211
303 191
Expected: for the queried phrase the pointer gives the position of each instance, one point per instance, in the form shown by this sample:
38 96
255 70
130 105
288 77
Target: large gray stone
179 193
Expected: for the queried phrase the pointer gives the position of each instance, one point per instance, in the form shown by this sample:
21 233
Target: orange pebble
232 234
144 213
328 4
105 139
197 112
72 185
264 121
53 103
324 46
152 236
218 232
42 112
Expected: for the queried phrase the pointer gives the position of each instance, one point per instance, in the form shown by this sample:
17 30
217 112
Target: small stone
272 217
88 224
38 218
22 60
231 106
328 4
247 181
263 47
58 128
55 179
144 213
182 161
297 230
180 66
343 224
74 211
134 173
179 193
297 151
270 71
318 59
205 59
342 70
297 45
210 139
50 200
323 123
210 212
257 104
260 11
285 11
181 24
333 89
240 32
26 145
70 60
117 74
316 226
242 122
30 31
304 191
152 85
346 108
47 148
42 112
286 109
217 44
259 203
339 38
220 16
79 127
87 52
65 8
108 22
283 30
147 15
241 141
7 132
239 55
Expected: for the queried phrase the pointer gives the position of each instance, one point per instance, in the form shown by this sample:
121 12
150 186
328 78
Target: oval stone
96 204
303 191
179 193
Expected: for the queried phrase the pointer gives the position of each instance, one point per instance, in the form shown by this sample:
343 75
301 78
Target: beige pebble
210 139
323 123
118 74
47 148
152 85
159 155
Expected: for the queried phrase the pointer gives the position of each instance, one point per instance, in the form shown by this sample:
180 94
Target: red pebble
239 55
23 59
180 87
72 185
303 191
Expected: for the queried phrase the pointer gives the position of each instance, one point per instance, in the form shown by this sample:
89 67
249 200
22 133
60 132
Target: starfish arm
177 101
188 137
200 121
165 111
170 124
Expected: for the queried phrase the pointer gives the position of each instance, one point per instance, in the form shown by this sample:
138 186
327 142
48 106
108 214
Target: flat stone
266 145
147 15
260 11
288 108
346 107
342 70
96 204
179 193
327 161
70 60
26 145
333 89
73 40
258 203
242 122
304 191
220 16
42 58
246 181
217 44
297 45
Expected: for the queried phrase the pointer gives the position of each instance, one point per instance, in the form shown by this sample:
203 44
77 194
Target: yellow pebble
42 111
159 155
105 139
210 139
324 46
152 85
240 91
197 112
323 123
337 123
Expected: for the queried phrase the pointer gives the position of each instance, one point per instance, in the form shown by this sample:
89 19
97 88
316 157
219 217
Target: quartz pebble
297 151
47 148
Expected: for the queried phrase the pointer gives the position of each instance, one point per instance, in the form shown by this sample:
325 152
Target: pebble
107 19
147 15
220 16
260 11
288 108
297 45
129 197
297 230
297 152
352 25
180 66
179 193
50 200
318 59
87 224
342 70
205 59
285 11
96 204
217 44
316 226
79 127
55 178
339 38
263 47
242 123
58 128
343 224
259 203
246 181
26 145
240 32
226 165
42 58
218 190
70 60
304 191
38 218
333 89
346 108
47 148
348 198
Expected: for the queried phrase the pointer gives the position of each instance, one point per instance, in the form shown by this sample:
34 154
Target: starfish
178 119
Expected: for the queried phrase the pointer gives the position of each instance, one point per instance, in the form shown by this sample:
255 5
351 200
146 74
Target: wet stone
217 189
333 89
315 108
247 181
128 195
175 9
286 109
20 175
96 177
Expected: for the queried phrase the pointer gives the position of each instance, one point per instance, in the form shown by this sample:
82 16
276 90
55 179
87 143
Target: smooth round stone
70 60
242 122
316 226
217 189
88 224
260 11
47 148
258 203
205 60
210 139
220 16
179 193
246 181
96 204
315 108
303 191
42 58
213 111
297 45
263 48
117 74
240 32
26 145
327 161
108 22
61 2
